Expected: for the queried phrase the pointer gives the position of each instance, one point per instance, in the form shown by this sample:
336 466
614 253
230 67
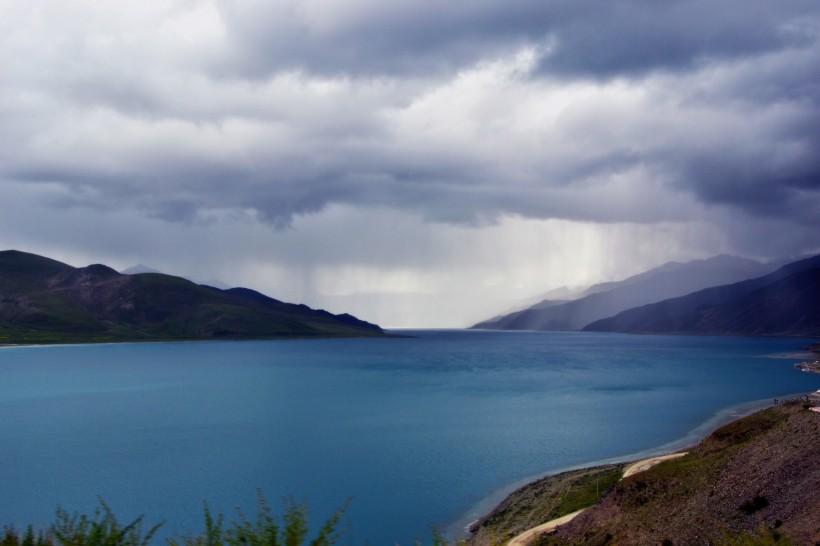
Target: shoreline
459 529
386 335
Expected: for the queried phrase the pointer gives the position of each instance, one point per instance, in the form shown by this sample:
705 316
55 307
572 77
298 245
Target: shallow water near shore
418 431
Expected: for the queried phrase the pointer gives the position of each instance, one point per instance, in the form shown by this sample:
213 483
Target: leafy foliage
10 537
102 529
266 530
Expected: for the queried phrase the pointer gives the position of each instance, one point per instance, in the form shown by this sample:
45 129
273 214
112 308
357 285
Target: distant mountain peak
100 270
138 269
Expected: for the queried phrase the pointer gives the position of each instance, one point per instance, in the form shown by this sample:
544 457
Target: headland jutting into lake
752 478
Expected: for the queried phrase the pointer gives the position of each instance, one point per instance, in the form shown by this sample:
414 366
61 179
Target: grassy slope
544 500
762 471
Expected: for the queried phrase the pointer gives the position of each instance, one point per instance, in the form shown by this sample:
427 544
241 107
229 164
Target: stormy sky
416 163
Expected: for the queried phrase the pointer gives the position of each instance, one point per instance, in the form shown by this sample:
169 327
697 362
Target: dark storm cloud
461 112
790 192
628 38
600 39
771 167
377 38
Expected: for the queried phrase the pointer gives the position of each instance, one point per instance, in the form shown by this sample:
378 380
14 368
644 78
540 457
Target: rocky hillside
755 477
46 301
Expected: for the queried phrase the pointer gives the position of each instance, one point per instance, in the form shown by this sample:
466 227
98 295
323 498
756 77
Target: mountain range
46 301
721 295
784 302
606 299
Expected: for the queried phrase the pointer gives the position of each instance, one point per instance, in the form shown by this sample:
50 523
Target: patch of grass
743 430
544 500
27 336
586 491
671 479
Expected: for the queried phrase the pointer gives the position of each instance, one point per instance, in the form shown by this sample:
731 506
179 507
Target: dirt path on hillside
524 538
640 466
646 464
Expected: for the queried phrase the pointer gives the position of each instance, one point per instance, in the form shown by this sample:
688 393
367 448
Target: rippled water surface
417 431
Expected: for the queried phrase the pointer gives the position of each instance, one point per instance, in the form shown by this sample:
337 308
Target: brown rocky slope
758 475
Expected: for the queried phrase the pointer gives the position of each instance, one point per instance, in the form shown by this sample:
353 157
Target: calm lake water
421 431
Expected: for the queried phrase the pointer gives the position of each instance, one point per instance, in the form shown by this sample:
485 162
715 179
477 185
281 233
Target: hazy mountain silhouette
139 268
781 303
606 299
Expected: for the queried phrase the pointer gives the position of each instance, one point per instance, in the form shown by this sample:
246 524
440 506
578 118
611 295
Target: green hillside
45 301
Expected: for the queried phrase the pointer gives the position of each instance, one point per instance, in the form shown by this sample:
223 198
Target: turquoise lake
422 431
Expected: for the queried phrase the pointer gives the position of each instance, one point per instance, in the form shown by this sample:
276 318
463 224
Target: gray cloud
632 111
376 38
759 184
628 38
599 39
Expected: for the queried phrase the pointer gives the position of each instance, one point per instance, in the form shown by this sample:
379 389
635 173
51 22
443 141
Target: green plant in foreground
102 529
10 537
266 530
